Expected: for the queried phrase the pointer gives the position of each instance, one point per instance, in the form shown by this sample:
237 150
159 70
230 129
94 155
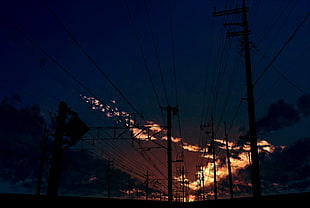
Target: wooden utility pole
256 184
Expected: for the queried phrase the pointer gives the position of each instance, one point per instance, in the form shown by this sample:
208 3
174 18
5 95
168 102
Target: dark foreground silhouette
282 200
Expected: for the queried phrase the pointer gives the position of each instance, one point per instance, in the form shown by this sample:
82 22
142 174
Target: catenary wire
91 59
281 49
156 50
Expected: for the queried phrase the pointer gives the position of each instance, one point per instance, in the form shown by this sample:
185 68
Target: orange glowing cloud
153 131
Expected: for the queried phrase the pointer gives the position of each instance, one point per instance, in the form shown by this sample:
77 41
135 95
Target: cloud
284 170
21 130
288 170
280 114
21 133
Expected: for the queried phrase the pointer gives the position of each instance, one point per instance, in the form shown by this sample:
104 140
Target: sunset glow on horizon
240 160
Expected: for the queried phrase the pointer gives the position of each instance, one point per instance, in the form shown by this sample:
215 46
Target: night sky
141 56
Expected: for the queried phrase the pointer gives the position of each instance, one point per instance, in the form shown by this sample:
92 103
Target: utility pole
214 160
57 157
201 179
228 165
183 183
203 184
256 184
169 153
169 110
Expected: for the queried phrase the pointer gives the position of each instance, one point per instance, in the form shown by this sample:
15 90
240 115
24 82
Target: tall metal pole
169 153
214 162
203 184
256 184
183 184
57 157
228 165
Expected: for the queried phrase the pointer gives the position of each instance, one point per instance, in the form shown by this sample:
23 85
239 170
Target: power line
294 85
142 53
175 76
281 49
173 53
47 55
156 51
88 56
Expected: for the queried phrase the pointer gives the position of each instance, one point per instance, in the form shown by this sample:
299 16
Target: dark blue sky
122 49
210 77
209 68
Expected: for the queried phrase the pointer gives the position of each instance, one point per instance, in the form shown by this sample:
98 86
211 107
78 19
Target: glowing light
192 148
191 198
240 161
266 146
144 132
93 178
153 131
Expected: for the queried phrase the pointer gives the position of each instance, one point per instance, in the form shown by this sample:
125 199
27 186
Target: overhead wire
133 160
157 58
47 55
154 46
205 108
281 49
172 42
221 65
63 68
88 56
215 84
283 76
173 52
132 163
52 59
156 51
142 52
91 59
277 23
